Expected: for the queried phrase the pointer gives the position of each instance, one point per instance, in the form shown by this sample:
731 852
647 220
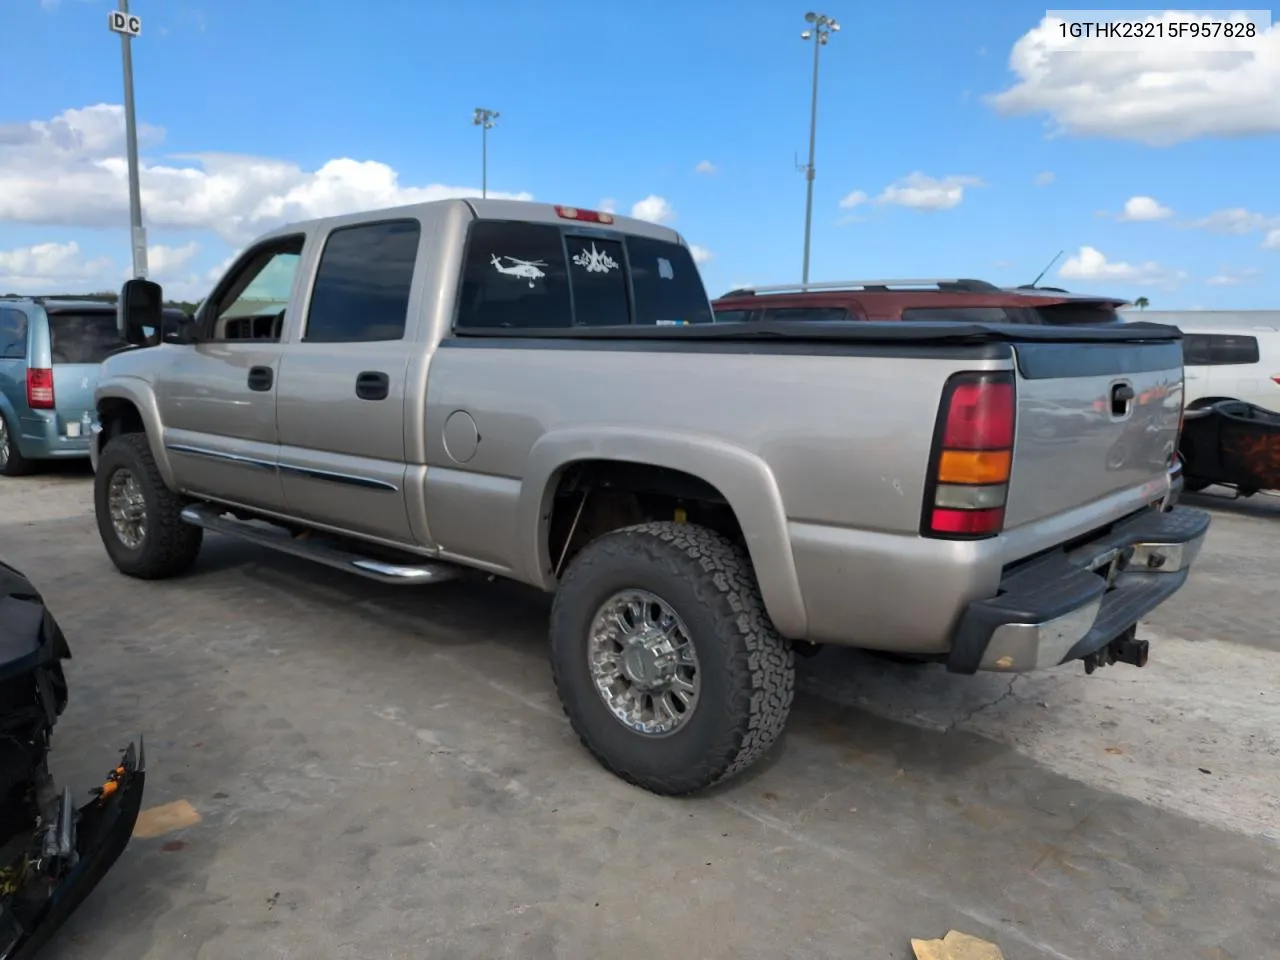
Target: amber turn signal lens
975 466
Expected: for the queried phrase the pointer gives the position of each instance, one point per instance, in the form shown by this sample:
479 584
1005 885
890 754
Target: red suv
966 301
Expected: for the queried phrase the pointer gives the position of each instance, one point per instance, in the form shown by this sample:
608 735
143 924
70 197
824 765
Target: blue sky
609 100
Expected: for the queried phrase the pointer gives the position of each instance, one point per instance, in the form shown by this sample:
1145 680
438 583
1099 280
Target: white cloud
851 200
1159 93
653 208
1139 209
1235 221
1046 178
700 254
1230 278
71 171
1088 263
62 267
707 167
49 268
927 193
165 261
1272 240
608 205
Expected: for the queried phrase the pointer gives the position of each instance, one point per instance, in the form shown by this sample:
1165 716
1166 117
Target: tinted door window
362 285
668 288
808 314
83 337
515 277
1229 350
597 271
13 334
732 316
1216 350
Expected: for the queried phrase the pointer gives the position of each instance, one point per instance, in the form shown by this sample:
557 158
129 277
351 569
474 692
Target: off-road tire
170 546
17 465
747 668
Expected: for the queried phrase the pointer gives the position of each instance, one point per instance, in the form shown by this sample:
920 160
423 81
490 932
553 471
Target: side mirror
141 305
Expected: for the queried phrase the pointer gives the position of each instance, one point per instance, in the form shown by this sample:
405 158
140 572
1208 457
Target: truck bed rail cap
859 331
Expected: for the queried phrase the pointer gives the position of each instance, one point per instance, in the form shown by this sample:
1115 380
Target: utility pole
130 26
820 30
485 120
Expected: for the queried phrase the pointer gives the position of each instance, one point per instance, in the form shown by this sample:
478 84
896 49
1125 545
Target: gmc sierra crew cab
540 393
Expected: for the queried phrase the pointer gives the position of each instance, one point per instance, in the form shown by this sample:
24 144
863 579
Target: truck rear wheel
139 518
666 662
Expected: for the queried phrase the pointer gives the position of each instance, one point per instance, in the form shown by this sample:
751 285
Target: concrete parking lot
384 773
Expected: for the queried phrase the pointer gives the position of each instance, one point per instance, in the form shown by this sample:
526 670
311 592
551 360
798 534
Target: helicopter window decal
530 270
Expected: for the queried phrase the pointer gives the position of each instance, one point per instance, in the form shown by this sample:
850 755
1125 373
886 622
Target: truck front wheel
139 518
666 662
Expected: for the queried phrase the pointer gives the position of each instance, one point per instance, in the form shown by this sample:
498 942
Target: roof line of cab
482 209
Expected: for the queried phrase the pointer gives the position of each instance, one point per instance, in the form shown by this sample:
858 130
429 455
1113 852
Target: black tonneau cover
860 331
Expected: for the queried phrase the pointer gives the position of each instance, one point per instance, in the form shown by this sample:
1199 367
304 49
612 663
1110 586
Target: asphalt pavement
383 773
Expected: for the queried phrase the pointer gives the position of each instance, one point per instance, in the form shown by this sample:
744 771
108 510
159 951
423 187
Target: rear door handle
373 385
261 378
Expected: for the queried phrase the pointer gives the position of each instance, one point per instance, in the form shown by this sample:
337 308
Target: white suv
1228 355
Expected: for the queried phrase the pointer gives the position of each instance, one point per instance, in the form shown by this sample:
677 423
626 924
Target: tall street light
485 120
820 30
129 26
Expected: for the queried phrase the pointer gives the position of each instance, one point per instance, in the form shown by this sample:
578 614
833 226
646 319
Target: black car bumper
101 831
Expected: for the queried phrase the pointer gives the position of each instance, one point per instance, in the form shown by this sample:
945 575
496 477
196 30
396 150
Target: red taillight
980 417
974 456
40 389
968 523
1276 378
586 216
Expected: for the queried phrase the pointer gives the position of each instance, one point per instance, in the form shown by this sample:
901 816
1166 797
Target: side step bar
210 518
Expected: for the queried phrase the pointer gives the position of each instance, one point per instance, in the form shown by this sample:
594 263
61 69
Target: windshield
87 337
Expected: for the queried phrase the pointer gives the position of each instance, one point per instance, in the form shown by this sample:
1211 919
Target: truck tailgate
1093 419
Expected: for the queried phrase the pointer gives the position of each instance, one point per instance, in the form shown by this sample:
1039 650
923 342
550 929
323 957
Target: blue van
50 352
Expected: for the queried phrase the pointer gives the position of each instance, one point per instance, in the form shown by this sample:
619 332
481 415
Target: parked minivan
1227 354
50 352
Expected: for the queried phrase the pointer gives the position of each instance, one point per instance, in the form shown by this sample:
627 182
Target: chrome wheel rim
128 509
4 444
643 663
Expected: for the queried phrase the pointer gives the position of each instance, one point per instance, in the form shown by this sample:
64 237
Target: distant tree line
108 296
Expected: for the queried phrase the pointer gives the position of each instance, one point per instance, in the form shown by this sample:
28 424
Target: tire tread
172 545
762 661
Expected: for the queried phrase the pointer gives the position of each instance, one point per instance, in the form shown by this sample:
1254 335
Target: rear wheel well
595 497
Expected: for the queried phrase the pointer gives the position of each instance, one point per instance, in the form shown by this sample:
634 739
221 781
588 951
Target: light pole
485 120
129 26
820 30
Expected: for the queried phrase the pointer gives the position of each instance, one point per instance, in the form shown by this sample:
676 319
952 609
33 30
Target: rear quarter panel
840 440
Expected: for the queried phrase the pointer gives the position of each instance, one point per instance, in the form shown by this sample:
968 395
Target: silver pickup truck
539 392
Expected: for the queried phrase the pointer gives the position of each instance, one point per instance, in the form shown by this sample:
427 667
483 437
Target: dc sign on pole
124 23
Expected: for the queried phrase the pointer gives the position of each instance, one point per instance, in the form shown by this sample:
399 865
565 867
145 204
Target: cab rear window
83 337
534 276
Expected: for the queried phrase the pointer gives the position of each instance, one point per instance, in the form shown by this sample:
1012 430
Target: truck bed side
838 433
